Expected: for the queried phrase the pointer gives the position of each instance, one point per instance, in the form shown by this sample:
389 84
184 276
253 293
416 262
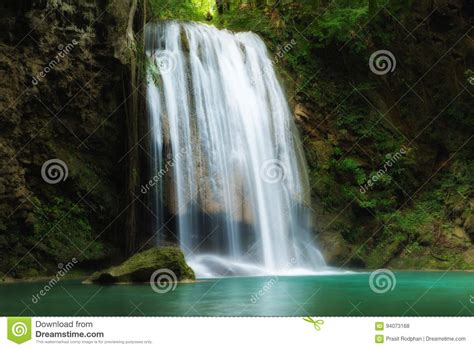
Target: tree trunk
132 163
220 6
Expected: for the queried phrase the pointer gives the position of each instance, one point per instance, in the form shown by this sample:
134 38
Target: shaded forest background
417 214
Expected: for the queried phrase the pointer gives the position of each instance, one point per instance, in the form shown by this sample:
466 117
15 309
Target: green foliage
186 10
250 19
348 140
353 167
469 74
151 71
64 231
416 220
340 26
459 182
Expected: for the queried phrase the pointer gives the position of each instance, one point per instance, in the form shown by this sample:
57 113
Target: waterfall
227 157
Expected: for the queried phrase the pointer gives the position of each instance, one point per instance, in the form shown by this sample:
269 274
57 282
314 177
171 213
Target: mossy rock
140 267
383 253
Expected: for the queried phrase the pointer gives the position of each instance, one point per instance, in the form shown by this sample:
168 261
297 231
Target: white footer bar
218 332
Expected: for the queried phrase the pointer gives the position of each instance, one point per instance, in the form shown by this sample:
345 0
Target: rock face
140 267
60 98
420 215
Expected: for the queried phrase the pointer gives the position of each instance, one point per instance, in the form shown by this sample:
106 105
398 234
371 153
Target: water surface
415 293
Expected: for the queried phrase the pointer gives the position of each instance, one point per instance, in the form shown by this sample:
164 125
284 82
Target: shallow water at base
415 294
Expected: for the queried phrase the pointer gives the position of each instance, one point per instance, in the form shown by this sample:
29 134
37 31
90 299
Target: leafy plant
186 10
340 26
64 231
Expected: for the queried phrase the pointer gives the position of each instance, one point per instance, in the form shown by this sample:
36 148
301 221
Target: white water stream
224 140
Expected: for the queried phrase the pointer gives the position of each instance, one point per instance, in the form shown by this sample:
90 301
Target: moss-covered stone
381 255
140 267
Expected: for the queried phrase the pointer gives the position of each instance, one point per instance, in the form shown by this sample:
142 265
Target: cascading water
224 141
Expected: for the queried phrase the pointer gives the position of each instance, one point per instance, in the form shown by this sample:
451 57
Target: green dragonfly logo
316 323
